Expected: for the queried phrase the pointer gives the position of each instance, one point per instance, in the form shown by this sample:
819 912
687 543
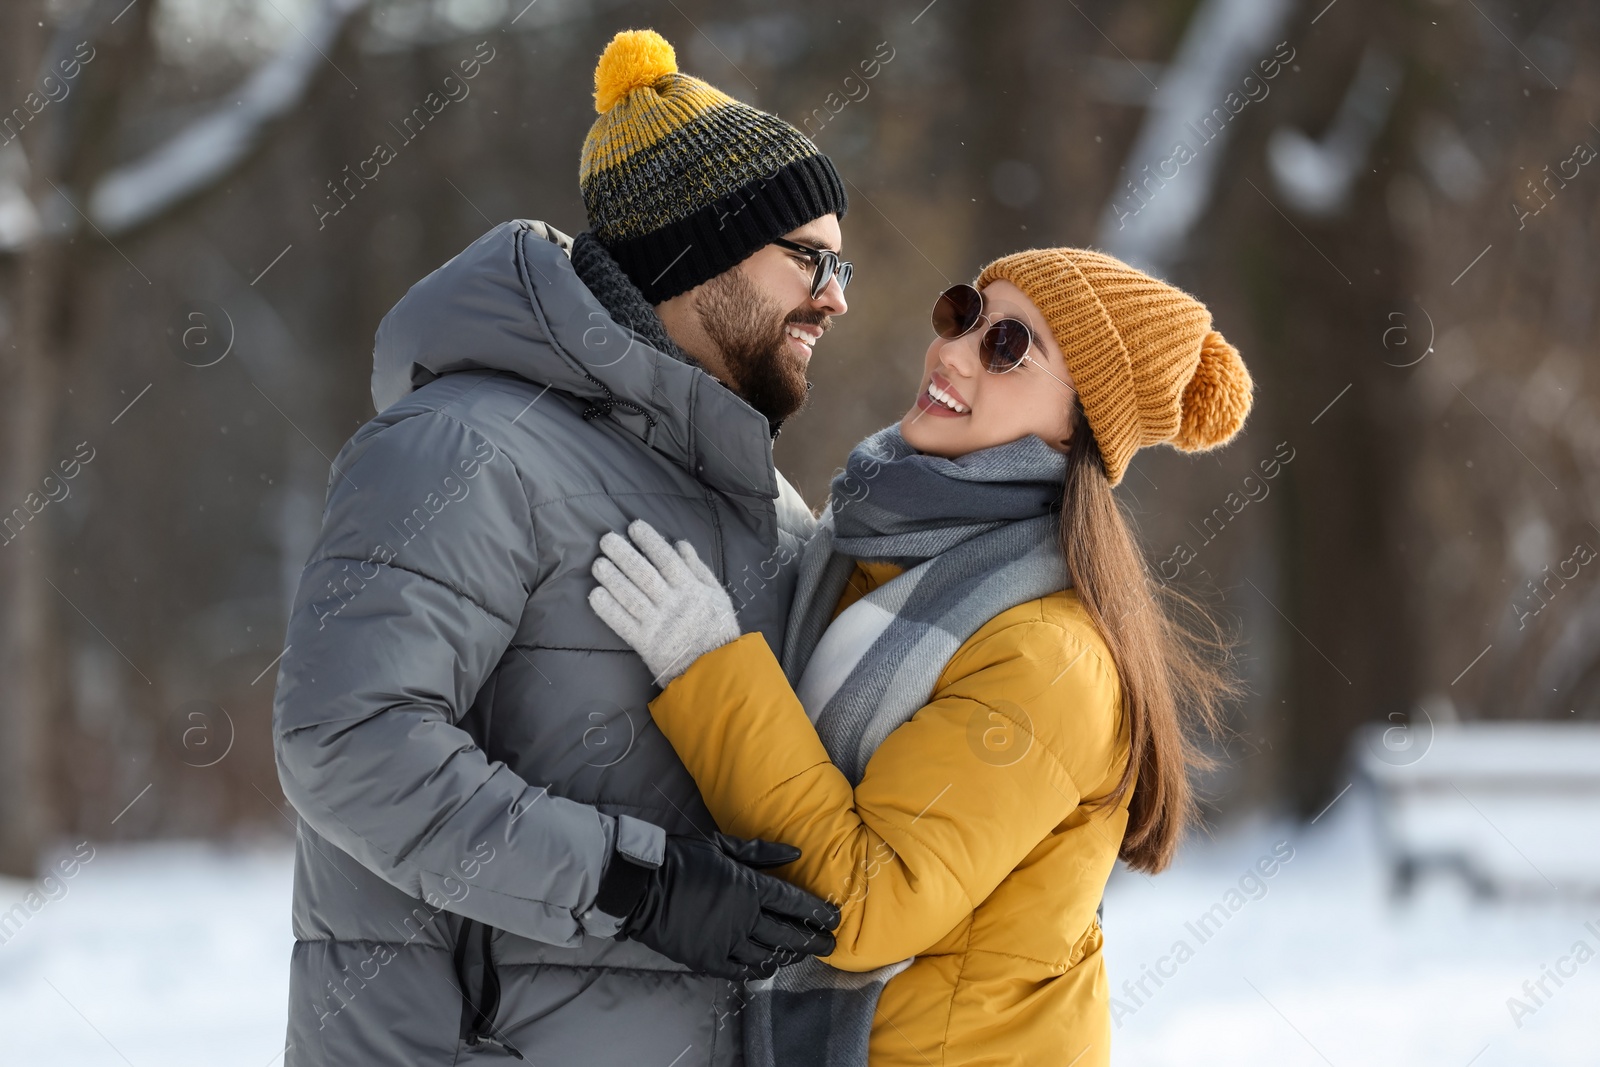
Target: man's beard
752 334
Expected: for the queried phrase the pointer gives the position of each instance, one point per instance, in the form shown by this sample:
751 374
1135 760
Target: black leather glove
707 908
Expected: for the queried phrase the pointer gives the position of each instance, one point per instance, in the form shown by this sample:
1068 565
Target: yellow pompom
633 59
1217 398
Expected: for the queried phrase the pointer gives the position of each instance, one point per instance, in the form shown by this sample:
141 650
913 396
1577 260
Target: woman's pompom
1217 398
633 60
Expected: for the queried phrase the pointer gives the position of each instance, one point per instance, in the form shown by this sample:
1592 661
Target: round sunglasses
1004 345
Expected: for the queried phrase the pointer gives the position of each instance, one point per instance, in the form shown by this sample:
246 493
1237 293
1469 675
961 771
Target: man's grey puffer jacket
464 740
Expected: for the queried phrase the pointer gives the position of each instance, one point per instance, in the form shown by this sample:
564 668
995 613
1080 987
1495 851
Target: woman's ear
1076 421
1064 444
1074 418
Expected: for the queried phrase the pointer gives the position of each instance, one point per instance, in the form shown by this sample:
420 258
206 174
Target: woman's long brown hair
1171 657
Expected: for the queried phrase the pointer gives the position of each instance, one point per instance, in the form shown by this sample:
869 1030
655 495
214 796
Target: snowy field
1316 966
176 955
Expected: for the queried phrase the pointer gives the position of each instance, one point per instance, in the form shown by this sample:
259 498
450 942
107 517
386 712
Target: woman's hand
666 604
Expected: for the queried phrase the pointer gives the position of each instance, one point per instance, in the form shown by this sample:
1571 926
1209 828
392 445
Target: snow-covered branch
1174 160
203 152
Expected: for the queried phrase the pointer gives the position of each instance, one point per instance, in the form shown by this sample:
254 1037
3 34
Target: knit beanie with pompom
681 181
1146 364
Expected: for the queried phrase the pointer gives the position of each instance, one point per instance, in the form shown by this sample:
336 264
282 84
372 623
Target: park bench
1513 808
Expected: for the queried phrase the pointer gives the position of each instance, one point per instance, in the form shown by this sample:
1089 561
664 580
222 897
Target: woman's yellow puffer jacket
965 844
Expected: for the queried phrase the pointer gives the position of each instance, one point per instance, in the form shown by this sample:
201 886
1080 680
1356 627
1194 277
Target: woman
983 701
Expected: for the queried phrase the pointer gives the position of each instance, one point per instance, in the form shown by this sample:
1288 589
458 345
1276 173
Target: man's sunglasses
1004 345
826 262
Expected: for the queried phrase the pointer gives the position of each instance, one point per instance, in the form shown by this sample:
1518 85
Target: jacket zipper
716 534
477 1014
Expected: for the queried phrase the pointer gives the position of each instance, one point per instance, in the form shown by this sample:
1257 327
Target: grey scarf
620 297
978 535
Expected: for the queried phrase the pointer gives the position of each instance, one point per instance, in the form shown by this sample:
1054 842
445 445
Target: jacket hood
512 302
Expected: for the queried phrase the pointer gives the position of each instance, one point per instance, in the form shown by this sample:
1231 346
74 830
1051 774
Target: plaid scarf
977 536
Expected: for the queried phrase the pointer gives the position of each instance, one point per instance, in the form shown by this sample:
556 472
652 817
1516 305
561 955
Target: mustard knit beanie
681 181
1146 364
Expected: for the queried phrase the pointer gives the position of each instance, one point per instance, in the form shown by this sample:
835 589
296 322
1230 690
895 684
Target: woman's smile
941 399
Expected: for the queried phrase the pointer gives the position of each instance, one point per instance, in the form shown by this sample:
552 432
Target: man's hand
707 908
666 604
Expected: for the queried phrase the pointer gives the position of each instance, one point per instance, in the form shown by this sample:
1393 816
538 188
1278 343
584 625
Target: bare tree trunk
30 643
35 364
1321 290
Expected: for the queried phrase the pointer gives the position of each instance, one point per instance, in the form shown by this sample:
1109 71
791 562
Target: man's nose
831 299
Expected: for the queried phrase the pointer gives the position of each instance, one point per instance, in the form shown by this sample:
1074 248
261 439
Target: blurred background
1390 208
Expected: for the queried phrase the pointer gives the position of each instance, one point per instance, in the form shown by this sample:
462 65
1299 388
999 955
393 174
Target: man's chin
778 408
793 373
783 388
787 407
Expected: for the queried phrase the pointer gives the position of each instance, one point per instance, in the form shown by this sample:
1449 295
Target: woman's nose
961 355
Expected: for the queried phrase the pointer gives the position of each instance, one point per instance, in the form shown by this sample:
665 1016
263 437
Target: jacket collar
512 301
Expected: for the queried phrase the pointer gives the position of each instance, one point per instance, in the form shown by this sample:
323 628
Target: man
499 856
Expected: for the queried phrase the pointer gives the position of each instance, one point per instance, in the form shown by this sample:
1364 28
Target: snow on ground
166 955
1316 966
174 955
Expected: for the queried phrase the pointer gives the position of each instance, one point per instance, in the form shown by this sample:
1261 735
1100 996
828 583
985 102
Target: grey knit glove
665 603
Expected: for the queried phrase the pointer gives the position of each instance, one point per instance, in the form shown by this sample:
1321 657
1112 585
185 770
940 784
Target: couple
741 785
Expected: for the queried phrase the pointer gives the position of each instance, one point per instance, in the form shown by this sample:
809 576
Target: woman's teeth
946 399
805 338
